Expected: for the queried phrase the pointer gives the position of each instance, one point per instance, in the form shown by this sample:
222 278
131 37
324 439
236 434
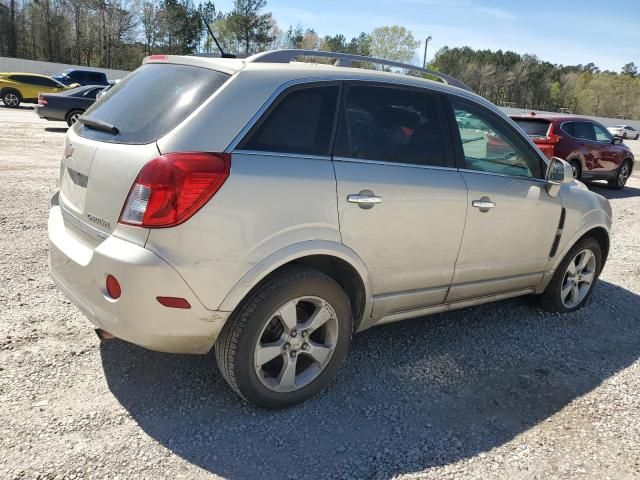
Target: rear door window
42 82
151 101
583 131
392 124
301 121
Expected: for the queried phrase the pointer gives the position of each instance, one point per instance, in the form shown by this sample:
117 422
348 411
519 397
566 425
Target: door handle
484 204
364 199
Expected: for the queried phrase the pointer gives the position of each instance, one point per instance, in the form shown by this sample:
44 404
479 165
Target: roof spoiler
346 60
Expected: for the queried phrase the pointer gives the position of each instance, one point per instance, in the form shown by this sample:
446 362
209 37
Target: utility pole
426 44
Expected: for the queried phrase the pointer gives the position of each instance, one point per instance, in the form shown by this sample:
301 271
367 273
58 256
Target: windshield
151 101
63 78
533 128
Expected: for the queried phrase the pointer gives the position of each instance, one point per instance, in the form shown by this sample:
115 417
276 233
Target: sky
566 32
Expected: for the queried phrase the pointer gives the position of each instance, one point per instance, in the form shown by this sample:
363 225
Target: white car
624 131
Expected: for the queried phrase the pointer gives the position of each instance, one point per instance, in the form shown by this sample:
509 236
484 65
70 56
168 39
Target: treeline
119 33
510 79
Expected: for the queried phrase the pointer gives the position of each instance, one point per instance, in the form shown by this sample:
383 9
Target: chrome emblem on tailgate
99 221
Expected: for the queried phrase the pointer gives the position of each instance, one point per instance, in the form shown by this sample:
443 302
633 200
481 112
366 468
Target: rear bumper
79 269
47 113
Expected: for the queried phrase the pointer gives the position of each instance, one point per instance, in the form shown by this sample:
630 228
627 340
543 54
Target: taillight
552 138
41 100
171 188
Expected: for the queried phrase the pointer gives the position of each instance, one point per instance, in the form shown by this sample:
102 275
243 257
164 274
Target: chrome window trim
281 154
516 177
392 164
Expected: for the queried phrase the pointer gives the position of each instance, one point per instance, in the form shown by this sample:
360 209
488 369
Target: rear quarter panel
269 202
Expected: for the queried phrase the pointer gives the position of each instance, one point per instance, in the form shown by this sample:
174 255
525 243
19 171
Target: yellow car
24 87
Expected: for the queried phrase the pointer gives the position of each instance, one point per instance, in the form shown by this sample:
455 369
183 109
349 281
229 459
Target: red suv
587 145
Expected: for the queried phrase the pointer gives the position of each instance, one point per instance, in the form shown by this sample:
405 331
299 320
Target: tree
393 43
630 69
251 28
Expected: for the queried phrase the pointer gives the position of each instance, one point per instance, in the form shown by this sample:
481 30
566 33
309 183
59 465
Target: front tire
623 174
11 98
287 339
574 279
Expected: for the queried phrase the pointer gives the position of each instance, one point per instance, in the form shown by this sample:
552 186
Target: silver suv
271 208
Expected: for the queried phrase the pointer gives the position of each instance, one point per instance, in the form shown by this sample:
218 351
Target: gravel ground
500 391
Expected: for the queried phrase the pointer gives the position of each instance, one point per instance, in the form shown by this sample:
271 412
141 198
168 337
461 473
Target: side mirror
617 140
558 172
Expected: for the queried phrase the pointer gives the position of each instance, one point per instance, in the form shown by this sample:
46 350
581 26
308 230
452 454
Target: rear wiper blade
98 125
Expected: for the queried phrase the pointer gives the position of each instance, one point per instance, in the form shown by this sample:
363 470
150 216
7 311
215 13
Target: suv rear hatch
541 132
117 136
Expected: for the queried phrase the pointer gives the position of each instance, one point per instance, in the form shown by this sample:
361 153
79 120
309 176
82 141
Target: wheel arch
599 232
335 260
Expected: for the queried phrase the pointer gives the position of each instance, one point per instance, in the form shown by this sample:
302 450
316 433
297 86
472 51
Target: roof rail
346 60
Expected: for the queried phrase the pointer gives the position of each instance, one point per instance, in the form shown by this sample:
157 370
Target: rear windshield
151 101
533 128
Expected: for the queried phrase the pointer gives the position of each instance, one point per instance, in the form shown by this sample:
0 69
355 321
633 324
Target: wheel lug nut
293 354
294 333
304 334
305 346
287 346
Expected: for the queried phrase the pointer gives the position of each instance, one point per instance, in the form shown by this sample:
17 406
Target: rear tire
272 353
622 175
72 117
11 98
570 287
577 168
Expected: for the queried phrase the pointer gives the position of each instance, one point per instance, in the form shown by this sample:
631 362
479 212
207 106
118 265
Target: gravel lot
500 391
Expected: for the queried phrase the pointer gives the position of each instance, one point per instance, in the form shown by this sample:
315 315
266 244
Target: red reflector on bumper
173 302
113 287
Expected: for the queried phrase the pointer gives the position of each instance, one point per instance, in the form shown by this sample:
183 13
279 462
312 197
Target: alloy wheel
11 100
578 279
296 344
623 174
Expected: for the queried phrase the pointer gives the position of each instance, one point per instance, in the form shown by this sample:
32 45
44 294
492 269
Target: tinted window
583 130
300 122
151 101
391 124
41 81
569 128
22 79
75 92
91 93
534 128
602 135
489 145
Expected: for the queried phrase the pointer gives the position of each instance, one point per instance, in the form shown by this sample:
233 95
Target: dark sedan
67 106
